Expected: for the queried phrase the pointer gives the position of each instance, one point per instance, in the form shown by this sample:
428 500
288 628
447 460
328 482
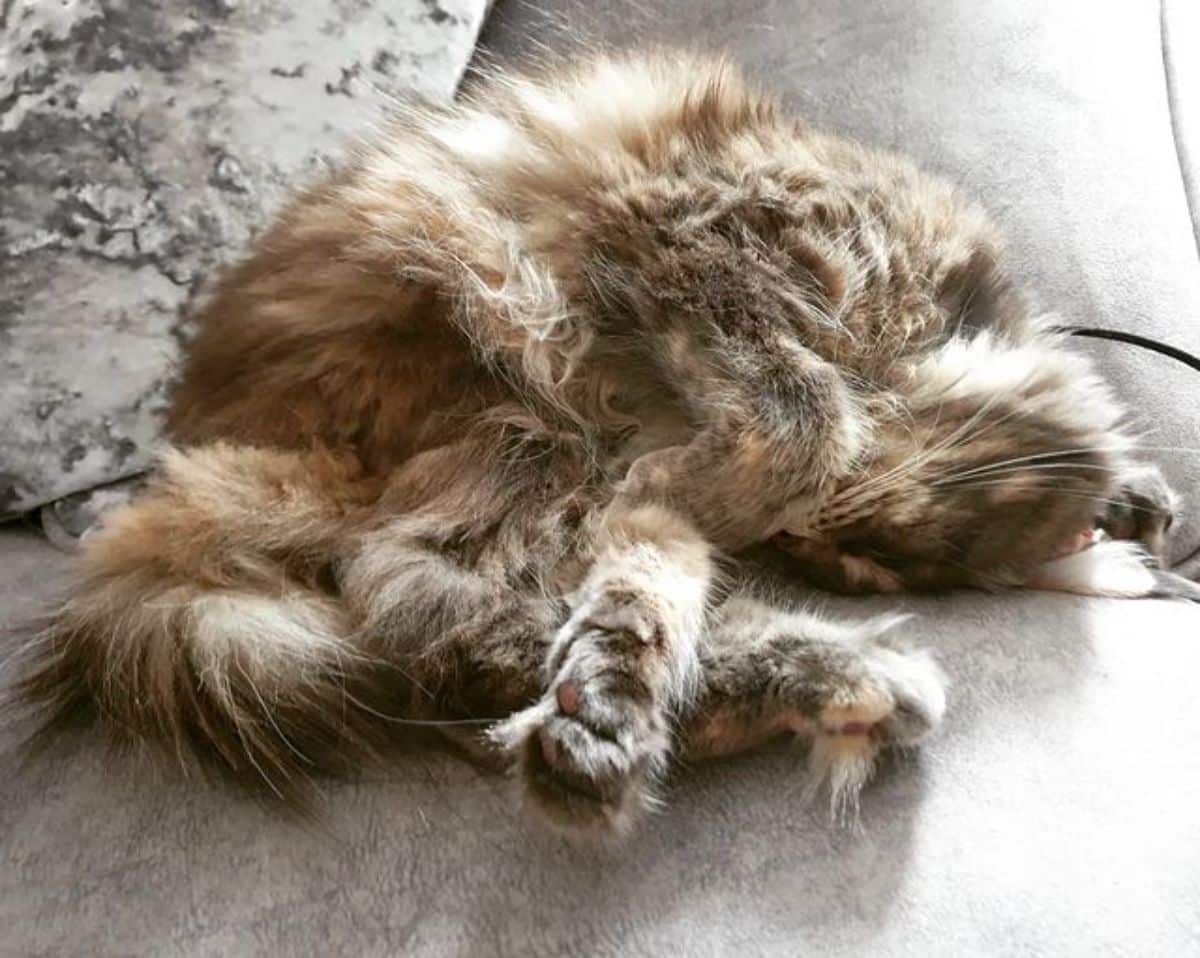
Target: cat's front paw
588 757
589 752
1141 507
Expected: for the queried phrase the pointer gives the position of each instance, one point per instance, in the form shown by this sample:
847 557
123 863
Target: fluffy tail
206 624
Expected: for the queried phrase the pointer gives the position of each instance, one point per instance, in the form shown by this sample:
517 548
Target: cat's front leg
1141 507
782 427
853 689
618 672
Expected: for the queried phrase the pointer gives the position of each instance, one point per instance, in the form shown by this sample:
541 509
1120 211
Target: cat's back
665 183
545 213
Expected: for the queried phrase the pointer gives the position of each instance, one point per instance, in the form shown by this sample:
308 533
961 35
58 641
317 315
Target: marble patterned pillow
140 147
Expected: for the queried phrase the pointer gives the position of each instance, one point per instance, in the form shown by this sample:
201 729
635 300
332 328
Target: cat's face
999 456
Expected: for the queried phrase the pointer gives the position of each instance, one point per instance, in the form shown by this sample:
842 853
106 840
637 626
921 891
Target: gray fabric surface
140 146
1055 814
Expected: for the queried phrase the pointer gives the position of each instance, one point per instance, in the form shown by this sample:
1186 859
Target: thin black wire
1144 342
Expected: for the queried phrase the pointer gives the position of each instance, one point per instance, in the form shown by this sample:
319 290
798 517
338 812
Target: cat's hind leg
853 689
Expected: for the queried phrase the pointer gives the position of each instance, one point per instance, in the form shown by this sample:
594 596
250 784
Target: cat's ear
1119 568
972 292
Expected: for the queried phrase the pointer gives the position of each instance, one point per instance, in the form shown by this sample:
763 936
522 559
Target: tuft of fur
202 623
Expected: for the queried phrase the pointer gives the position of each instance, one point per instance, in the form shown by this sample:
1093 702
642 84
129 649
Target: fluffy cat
477 433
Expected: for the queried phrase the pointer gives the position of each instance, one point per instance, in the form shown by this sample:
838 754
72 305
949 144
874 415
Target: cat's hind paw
899 700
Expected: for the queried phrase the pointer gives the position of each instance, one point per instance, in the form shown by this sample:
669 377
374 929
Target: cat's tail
206 623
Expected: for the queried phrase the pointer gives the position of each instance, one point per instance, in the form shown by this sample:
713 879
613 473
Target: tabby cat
478 433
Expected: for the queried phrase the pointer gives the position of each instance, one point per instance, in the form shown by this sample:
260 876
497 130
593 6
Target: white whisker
958 478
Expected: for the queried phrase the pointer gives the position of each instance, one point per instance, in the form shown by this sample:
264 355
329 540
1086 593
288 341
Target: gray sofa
1059 810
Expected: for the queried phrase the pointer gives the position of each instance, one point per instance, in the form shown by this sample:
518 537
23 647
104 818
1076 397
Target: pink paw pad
567 696
849 728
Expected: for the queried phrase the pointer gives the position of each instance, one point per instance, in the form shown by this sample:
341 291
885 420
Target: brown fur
469 431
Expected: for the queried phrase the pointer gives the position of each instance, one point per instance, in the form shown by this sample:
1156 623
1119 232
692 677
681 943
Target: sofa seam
1189 188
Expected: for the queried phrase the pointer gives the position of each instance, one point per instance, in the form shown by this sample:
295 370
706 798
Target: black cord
1145 342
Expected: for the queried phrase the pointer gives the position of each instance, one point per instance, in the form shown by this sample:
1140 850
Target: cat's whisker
961 435
964 434
1031 458
1072 493
958 478
908 466
1077 450
878 486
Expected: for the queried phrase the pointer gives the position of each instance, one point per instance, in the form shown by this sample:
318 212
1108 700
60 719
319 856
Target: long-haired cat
477 432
